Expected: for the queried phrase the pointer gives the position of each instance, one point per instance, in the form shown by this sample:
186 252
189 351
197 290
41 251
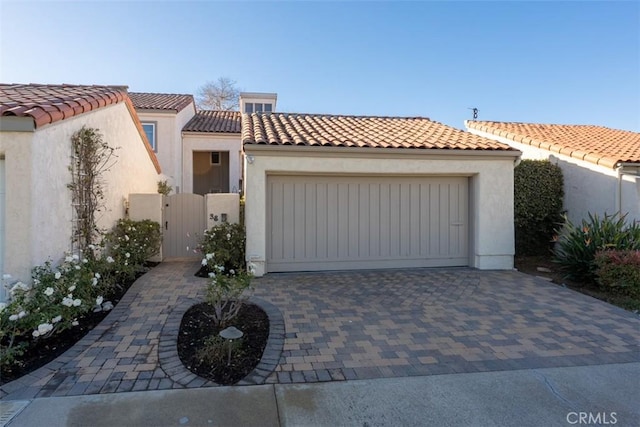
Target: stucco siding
588 188
39 210
491 208
212 142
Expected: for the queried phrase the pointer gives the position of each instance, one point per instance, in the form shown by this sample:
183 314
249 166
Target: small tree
221 94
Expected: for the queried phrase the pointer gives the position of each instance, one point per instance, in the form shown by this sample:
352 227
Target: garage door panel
324 222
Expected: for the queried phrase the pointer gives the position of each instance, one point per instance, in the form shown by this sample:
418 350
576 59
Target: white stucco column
234 171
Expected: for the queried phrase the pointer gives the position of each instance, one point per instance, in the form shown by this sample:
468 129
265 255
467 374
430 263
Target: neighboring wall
39 211
169 141
587 186
193 142
491 191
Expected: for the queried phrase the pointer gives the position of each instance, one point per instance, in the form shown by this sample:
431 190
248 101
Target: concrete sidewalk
601 395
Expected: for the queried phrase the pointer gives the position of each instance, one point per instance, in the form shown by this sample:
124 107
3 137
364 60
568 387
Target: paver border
170 363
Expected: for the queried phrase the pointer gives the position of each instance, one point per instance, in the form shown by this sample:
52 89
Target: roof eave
377 151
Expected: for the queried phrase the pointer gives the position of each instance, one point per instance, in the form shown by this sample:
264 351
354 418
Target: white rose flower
127 255
68 258
110 260
75 323
212 274
94 281
99 300
13 317
56 319
44 328
72 288
84 260
228 236
209 256
204 261
21 314
58 275
232 271
68 302
126 237
77 267
75 257
97 275
35 333
49 291
77 302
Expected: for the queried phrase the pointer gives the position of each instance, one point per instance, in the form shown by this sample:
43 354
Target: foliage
538 195
229 283
215 350
92 157
227 243
132 243
577 246
164 188
59 296
619 271
221 94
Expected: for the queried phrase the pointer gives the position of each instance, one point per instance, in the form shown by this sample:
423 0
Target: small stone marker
543 269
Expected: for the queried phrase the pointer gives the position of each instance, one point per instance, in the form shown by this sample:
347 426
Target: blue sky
548 62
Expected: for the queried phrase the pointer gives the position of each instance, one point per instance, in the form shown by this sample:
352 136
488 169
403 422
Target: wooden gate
184 223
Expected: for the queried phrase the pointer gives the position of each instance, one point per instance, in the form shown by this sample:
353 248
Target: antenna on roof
475 112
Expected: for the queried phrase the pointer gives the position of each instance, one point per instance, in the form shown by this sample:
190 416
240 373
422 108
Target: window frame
154 143
219 162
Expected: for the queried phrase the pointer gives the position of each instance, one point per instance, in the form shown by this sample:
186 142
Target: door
351 222
184 225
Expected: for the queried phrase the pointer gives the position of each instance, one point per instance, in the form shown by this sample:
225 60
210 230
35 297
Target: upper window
215 157
150 131
257 107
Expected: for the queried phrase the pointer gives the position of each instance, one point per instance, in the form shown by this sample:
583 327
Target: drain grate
9 409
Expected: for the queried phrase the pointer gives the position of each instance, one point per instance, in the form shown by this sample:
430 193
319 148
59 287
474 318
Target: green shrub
132 243
576 247
226 244
619 271
538 194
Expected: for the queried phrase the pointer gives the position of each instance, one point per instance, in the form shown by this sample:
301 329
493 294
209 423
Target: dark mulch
40 352
196 327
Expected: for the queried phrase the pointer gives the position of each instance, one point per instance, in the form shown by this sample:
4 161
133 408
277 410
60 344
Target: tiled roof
51 103
215 121
358 131
160 101
596 144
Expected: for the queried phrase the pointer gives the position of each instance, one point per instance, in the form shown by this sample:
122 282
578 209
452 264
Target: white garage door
348 222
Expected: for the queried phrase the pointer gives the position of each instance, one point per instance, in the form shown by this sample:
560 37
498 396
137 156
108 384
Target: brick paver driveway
349 325
431 321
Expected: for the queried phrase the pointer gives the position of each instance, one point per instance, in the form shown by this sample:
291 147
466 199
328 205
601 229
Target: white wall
587 186
492 239
39 210
192 141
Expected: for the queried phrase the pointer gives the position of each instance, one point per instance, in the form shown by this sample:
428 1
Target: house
36 126
200 150
600 165
331 192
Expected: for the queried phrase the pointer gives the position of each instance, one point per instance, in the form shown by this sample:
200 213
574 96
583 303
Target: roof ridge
363 116
161 93
550 124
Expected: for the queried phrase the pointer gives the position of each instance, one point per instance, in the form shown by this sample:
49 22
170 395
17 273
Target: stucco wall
39 202
211 142
587 186
491 209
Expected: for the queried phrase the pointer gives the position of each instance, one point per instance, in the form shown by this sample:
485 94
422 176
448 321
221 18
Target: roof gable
47 104
161 101
215 121
596 144
358 131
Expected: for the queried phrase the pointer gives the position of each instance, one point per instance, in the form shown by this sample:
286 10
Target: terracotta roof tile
160 101
358 131
597 144
51 103
215 121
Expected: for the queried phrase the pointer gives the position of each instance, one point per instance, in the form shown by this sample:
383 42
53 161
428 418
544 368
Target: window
150 131
215 157
268 108
258 108
248 107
